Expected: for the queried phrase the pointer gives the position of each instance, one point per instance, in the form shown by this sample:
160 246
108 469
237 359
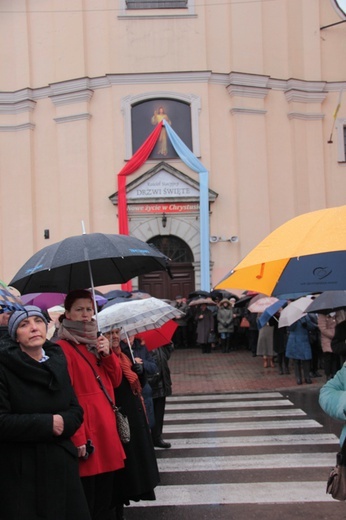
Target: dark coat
39 471
161 384
141 475
4 333
204 325
150 368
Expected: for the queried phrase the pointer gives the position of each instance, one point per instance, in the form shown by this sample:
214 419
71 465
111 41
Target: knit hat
27 312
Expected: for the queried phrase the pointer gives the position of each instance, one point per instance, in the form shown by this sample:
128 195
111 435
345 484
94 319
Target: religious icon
149 113
160 115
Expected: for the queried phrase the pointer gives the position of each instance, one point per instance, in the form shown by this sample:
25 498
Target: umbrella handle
92 287
129 344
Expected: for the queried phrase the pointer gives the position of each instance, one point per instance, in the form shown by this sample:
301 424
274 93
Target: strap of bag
97 377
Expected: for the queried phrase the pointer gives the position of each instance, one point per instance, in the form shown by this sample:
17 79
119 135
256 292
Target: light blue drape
191 160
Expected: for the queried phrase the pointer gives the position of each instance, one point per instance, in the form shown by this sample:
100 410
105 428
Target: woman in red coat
86 353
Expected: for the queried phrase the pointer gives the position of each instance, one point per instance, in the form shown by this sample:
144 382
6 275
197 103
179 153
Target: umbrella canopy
306 254
200 301
327 302
8 300
156 338
294 311
199 294
222 293
78 262
261 304
245 300
47 300
117 293
269 312
136 316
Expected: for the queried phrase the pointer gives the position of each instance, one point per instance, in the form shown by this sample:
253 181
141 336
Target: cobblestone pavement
237 371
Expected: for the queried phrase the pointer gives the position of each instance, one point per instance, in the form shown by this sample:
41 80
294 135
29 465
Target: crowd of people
62 455
305 347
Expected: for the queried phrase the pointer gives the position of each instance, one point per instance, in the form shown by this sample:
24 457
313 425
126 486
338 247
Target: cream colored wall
263 136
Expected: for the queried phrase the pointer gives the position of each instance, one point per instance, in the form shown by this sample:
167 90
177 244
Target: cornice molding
164 77
247 111
305 117
17 128
302 96
70 119
80 89
26 105
70 98
246 91
308 86
248 80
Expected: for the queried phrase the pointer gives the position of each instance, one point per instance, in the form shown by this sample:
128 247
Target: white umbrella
262 304
136 316
294 311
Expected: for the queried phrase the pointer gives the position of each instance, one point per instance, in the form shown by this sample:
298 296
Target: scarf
80 333
126 366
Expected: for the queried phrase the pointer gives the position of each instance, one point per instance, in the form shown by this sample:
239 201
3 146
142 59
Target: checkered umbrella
8 301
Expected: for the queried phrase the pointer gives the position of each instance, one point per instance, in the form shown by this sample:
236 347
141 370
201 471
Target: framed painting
147 114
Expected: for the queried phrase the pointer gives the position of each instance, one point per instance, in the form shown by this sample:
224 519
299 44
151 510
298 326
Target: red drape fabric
134 163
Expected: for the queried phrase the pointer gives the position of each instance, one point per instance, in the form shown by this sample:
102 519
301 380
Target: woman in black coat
140 475
38 414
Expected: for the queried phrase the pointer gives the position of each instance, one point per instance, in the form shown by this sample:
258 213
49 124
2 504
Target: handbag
244 323
123 425
336 483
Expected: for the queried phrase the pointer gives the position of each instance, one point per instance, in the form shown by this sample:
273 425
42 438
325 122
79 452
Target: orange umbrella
305 255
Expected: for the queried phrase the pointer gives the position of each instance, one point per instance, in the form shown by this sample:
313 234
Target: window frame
341 136
190 99
163 12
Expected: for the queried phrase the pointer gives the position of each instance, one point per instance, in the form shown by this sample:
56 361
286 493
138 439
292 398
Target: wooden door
160 285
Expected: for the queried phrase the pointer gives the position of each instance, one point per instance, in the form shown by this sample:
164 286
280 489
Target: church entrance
158 283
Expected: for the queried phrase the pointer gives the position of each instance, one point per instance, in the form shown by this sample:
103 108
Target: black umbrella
199 294
244 300
327 302
117 293
86 260
222 293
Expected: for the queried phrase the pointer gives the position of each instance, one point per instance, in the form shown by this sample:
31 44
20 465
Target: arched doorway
158 283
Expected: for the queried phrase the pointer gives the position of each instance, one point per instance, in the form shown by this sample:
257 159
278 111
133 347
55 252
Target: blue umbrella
269 312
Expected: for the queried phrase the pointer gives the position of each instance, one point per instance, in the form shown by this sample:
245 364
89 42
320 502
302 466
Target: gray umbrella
85 260
327 302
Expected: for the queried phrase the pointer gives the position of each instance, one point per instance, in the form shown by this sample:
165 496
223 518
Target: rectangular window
156 4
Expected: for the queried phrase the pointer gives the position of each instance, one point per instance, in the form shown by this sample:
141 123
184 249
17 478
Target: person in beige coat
331 361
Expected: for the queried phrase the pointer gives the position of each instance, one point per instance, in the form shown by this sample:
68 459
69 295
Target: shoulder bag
122 421
336 484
